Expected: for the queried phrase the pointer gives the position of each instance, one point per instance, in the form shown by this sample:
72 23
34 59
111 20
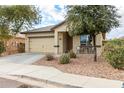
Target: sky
51 14
54 14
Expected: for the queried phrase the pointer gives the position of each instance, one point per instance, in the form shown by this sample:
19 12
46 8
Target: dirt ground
84 65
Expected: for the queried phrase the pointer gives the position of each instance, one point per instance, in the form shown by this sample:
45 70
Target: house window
85 39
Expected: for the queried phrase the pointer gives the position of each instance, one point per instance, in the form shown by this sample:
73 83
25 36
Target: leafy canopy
91 19
16 18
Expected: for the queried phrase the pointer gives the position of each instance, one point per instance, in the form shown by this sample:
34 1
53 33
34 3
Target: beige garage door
42 44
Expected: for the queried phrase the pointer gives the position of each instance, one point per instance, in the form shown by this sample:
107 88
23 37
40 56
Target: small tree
2 47
91 19
16 18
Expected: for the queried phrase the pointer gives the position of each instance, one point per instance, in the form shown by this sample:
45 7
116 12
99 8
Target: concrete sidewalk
52 75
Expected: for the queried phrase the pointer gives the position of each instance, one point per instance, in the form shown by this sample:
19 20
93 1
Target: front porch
65 42
80 44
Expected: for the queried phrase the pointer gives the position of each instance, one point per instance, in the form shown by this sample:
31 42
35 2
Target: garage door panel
42 44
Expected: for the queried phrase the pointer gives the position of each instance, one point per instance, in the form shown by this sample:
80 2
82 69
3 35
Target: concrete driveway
22 58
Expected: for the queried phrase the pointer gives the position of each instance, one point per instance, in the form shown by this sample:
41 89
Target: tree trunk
95 50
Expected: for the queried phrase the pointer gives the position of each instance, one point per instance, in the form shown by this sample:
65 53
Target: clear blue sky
53 14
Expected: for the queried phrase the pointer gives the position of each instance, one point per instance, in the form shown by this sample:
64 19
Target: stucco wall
27 36
99 40
26 43
60 43
76 40
59 38
76 43
61 28
40 34
56 41
12 45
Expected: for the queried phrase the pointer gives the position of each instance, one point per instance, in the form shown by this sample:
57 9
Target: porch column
56 42
76 43
27 46
99 39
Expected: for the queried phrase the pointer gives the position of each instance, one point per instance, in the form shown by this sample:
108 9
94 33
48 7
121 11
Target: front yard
84 65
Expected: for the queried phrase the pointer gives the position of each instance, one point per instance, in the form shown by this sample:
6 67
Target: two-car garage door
42 44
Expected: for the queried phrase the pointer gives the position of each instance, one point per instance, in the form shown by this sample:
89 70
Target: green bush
72 54
114 53
2 47
49 57
64 59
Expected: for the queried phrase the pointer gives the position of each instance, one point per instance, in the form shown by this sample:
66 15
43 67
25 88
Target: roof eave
52 29
27 32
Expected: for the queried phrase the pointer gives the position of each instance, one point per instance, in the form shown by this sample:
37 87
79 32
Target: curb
49 82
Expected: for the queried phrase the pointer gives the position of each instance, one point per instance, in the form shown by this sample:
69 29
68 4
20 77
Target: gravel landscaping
84 65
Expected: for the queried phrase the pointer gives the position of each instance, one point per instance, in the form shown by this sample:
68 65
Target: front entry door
67 42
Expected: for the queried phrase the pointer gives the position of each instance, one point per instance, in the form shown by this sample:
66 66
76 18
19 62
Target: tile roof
43 29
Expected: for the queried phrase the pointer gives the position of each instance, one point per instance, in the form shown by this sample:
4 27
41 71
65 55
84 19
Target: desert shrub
21 47
2 47
49 57
114 53
72 54
64 59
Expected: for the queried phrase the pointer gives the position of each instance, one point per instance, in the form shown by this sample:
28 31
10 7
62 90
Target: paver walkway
52 75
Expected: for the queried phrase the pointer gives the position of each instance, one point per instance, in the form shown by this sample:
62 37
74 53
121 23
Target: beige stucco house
55 39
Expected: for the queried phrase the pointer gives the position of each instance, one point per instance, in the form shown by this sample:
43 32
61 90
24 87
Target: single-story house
55 39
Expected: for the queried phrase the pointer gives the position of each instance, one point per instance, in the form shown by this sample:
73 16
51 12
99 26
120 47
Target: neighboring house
12 45
121 37
55 39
